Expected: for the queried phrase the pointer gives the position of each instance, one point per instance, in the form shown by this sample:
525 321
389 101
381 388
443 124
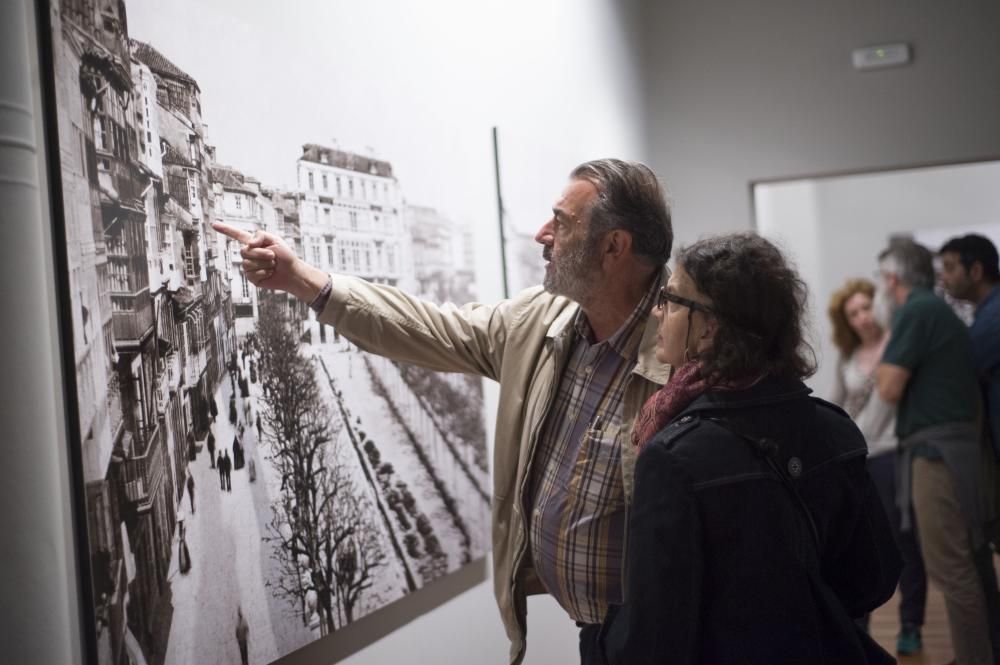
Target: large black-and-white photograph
253 480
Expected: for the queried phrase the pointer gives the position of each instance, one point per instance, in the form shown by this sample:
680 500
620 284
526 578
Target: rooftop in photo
159 63
342 159
230 178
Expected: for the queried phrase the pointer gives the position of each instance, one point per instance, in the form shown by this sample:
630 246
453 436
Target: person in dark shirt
928 369
970 271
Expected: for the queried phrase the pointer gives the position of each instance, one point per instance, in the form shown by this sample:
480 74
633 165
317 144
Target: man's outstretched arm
381 319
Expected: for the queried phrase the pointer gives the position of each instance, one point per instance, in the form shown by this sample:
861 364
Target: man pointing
575 362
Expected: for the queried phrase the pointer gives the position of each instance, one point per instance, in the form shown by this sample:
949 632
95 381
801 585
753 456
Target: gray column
38 576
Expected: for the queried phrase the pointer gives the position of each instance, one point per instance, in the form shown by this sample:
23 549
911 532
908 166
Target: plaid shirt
577 519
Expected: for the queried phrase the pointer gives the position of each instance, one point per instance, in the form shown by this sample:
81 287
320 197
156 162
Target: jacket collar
646 365
766 391
562 325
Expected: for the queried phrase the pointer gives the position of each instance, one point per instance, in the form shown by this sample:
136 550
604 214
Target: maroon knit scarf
684 387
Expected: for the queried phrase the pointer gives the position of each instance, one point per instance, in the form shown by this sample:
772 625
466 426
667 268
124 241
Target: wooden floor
937 640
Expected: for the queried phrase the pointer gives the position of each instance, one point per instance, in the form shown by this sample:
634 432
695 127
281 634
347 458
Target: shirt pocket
596 488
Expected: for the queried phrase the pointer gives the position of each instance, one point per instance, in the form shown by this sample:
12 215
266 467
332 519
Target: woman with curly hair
860 340
755 535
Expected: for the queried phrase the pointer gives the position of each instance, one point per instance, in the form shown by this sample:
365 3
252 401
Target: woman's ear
706 332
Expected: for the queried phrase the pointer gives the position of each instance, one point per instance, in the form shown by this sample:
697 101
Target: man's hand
269 263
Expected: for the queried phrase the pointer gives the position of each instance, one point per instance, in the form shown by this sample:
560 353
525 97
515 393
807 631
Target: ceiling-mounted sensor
876 57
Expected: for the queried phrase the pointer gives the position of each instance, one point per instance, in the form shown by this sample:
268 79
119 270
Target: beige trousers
948 559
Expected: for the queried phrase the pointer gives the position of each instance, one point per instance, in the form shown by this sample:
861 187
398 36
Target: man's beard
574 273
884 308
961 291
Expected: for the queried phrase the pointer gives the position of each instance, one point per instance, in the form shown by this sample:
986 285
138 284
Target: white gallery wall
742 91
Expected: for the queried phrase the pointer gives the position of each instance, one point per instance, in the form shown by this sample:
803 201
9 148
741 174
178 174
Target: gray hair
910 261
630 198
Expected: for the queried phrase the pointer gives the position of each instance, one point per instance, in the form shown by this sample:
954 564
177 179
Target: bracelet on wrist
319 302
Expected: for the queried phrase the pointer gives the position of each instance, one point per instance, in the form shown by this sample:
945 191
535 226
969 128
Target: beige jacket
522 343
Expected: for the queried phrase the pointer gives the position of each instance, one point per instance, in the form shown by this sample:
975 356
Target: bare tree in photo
299 433
327 549
356 554
293 581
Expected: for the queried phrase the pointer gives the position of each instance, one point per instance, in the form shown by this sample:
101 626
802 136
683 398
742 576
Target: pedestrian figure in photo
180 522
242 636
222 471
183 555
191 451
232 407
237 453
213 408
260 433
228 473
190 485
252 469
211 448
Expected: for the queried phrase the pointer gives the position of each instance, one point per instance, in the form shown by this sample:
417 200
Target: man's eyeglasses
667 296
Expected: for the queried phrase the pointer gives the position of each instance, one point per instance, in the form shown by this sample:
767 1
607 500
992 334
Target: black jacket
722 564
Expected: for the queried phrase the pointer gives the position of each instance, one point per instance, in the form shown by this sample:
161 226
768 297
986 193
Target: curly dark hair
759 302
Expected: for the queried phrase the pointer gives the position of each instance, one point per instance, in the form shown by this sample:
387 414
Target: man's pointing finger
239 235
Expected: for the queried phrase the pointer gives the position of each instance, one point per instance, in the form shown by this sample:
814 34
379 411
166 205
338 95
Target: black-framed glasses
666 296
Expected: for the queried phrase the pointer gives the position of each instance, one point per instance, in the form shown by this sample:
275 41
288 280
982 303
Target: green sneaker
908 641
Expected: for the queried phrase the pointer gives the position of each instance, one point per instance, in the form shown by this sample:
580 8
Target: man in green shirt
928 370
